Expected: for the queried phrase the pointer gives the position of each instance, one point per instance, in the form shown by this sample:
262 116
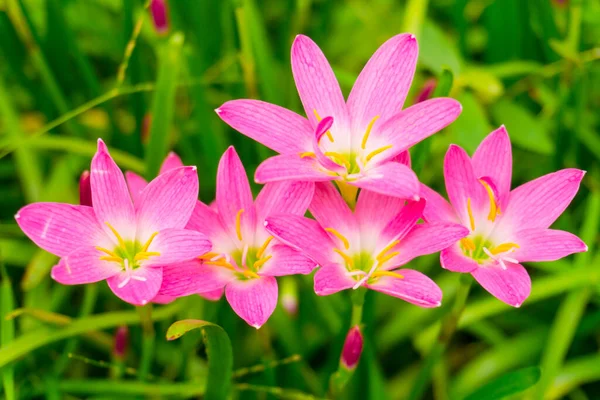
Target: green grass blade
7 330
507 385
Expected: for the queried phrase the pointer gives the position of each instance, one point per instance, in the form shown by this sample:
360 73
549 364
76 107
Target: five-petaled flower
368 247
244 259
126 243
368 132
506 227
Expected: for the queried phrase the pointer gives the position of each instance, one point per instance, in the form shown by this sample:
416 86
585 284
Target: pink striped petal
85 189
61 228
414 287
401 224
275 127
167 202
539 244
537 204
84 266
160 299
205 220
511 285
190 277
177 245
172 161
383 84
254 300
234 195
437 207
318 88
331 211
110 195
453 259
374 211
403 158
302 234
322 127
493 158
136 185
213 295
291 167
287 261
289 197
462 184
137 287
392 179
331 279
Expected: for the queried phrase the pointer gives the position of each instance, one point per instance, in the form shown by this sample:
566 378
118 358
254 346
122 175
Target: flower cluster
347 163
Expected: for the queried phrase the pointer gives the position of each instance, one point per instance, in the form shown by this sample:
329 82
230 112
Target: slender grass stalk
7 330
121 73
414 16
148 339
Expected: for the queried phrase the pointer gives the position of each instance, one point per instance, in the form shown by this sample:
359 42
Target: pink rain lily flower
117 240
367 248
506 227
244 259
368 132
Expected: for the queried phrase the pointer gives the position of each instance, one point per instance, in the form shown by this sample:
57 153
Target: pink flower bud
158 8
85 190
121 342
426 91
353 347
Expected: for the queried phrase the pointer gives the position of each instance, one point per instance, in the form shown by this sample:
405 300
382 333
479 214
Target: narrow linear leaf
7 330
507 385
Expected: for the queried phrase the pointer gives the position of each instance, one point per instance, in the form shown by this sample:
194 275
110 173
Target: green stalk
414 16
148 338
7 330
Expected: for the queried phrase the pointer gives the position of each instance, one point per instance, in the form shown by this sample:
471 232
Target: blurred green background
66 78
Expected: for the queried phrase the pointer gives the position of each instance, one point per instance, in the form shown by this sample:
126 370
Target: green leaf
218 351
508 384
435 50
525 130
472 125
7 331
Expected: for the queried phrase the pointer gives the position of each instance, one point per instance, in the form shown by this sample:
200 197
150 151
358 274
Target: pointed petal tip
219 110
412 37
256 326
102 146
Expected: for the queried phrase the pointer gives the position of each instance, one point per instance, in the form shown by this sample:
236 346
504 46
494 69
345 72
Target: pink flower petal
136 184
190 277
453 259
437 207
172 161
327 163
291 167
289 197
61 228
85 189
160 299
331 279
539 244
414 287
373 211
275 127
177 245
137 287
390 178
331 211
511 285
84 266
287 261
383 84
234 194
254 300
302 234
403 222
403 158
493 158
213 295
318 88
110 195
205 220
537 204
167 202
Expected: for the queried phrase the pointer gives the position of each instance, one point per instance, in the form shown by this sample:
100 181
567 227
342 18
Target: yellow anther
119 238
238 224
145 254
250 274
339 236
208 256
149 241
377 274
110 258
220 263
307 154
110 253
328 133
262 249
467 243
386 249
363 145
387 257
378 151
503 248
471 219
261 262
494 210
339 157
346 257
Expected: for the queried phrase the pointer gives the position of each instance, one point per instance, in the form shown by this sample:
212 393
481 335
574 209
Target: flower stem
148 337
348 192
447 329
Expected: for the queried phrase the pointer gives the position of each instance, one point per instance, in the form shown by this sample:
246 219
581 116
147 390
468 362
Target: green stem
148 338
348 192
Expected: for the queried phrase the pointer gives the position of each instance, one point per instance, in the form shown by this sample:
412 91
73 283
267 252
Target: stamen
149 242
471 219
238 224
378 151
504 247
346 257
356 272
119 238
387 248
318 117
467 244
262 249
386 273
307 154
111 258
208 256
339 236
220 263
142 255
388 257
139 278
124 282
110 253
366 137
339 157
494 210
261 262
250 274
244 255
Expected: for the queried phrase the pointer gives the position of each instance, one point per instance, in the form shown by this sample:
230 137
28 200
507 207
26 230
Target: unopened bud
121 342
85 190
158 9
353 347
426 91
